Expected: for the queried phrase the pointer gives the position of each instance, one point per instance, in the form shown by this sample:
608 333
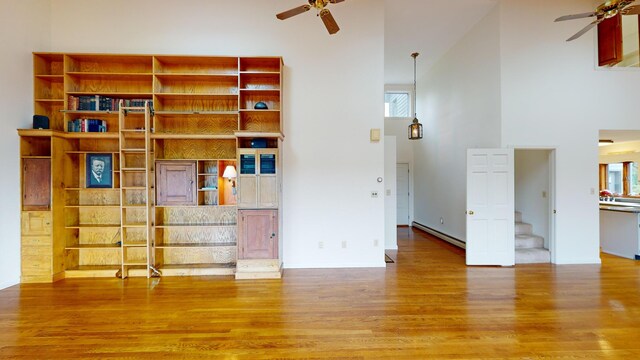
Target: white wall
390 194
397 127
24 26
532 189
553 96
459 105
333 96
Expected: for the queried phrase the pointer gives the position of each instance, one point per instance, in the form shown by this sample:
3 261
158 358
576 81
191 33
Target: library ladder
136 191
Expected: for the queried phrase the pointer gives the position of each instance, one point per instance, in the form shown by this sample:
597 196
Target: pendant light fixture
415 129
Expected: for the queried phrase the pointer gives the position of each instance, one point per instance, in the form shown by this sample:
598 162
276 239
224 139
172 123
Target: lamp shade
230 172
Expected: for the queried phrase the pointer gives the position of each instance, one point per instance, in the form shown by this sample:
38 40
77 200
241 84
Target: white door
402 191
490 207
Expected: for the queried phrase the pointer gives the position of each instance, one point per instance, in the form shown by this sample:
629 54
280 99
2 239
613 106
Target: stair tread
532 256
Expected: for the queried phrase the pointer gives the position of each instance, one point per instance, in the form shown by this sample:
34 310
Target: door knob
470 212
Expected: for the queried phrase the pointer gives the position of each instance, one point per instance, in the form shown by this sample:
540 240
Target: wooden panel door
490 207
257 234
175 182
36 184
610 41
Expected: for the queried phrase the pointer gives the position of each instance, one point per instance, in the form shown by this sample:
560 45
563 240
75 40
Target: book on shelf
102 103
87 125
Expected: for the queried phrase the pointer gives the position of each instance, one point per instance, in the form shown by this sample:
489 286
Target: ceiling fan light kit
606 10
324 13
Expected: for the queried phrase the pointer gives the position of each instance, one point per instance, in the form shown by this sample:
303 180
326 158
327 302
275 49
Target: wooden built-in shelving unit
188 115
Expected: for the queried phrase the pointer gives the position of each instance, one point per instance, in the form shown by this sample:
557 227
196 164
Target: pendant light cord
415 87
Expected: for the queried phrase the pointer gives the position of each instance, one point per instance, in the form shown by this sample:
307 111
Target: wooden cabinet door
257 234
36 223
610 41
36 184
175 183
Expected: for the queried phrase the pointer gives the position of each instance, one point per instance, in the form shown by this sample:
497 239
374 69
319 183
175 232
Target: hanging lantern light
415 129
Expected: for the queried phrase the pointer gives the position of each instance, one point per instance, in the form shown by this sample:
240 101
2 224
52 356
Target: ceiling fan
323 12
605 11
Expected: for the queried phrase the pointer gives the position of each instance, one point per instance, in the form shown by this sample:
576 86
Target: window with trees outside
622 179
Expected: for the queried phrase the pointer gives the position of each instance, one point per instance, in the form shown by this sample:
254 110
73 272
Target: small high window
397 104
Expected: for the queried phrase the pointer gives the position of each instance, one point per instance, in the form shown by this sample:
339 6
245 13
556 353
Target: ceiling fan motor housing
318 4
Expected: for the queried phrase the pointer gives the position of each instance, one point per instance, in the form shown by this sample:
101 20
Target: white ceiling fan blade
576 16
293 12
586 28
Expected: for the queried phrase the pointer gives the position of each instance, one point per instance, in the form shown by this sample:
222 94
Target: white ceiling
619 136
430 27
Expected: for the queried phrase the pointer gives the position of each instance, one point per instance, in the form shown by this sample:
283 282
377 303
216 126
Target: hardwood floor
426 305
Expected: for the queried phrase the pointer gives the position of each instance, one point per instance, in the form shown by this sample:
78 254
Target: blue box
259 143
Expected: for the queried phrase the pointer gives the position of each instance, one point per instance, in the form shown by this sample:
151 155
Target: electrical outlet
320 245
374 194
544 194
388 192
344 244
376 242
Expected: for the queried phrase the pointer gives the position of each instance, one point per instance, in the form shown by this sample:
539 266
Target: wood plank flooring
426 305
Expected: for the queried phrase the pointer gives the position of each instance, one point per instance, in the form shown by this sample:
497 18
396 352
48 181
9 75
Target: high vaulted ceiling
430 27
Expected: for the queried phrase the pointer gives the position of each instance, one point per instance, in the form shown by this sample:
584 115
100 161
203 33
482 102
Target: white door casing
402 190
490 207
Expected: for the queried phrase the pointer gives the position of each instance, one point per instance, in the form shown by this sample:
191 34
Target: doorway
534 205
402 194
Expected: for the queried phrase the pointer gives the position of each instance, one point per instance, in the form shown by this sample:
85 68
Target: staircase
529 248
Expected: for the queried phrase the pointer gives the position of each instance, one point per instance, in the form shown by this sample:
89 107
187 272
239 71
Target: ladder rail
127 133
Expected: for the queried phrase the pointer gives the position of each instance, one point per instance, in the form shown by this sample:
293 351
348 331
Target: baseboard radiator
451 240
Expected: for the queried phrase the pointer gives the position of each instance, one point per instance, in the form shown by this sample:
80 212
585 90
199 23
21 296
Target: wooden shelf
257 134
194 246
111 75
94 206
179 226
91 135
93 226
195 76
197 269
192 136
196 113
195 95
36 157
92 271
49 100
93 247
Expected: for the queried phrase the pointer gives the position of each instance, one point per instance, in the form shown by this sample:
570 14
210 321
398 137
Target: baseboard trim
451 240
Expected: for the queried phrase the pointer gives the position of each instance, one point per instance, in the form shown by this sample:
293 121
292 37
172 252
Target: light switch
375 135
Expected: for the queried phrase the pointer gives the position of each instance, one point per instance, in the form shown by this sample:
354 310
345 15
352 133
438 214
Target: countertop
620 206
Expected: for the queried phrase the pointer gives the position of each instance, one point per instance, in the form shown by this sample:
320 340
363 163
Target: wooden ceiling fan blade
632 10
293 12
335 1
576 16
329 22
586 28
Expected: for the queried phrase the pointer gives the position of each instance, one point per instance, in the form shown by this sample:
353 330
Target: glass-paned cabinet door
247 164
267 164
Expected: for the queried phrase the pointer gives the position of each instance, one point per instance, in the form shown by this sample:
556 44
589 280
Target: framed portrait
99 170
